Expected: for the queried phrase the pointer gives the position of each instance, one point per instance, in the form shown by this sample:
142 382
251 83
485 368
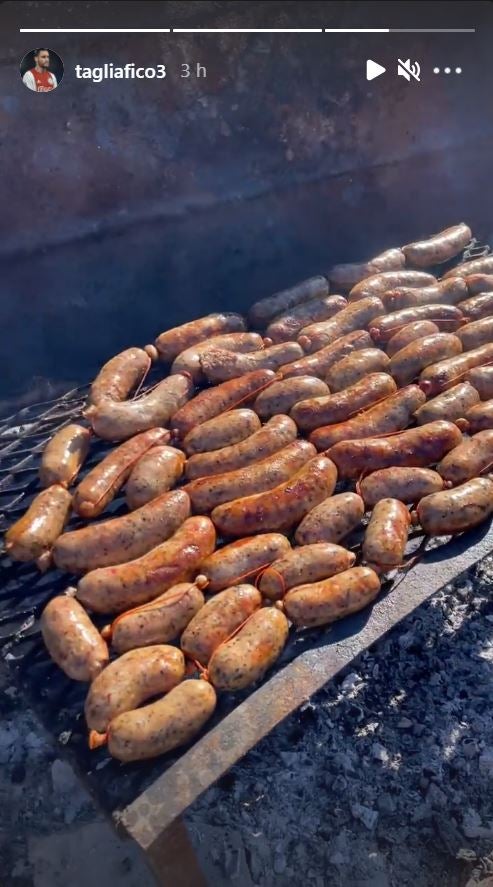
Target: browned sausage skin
220 366
318 411
406 365
321 603
476 333
483 265
444 292
477 306
154 474
317 335
469 459
245 658
387 280
262 312
190 360
457 510
120 375
319 364
348 275
222 431
479 283
217 620
481 378
452 404
409 485
286 326
356 366
386 535
447 317
332 520
71 639
215 401
64 455
409 333
159 621
282 396
446 373
307 563
480 416
439 248
32 537
242 560
171 343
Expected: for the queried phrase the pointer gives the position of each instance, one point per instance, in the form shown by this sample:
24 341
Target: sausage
481 378
348 275
409 333
276 434
442 375
482 265
386 535
384 327
123 538
118 421
120 375
278 510
479 283
439 247
286 326
102 483
405 484
354 317
480 416
32 537
262 312
64 455
242 560
220 366
208 492
308 563
469 459
321 603
189 360
476 333
158 622
406 365
456 510
451 405
244 659
318 364
114 589
478 306
445 292
154 474
164 725
388 280
282 396
173 342
211 403
391 414
130 680
356 366
418 447
71 639
331 520
216 622
317 411
222 431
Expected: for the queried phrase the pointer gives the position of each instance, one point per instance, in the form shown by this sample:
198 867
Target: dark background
130 206
56 64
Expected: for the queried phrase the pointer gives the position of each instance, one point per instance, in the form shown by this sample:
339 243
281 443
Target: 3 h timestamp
131 71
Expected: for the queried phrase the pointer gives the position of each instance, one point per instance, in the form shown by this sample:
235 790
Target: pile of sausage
387 388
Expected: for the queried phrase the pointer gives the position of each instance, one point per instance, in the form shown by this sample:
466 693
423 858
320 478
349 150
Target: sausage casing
34 534
220 366
348 275
120 375
483 265
407 364
308 563
319 363
456 510
158 622
445 292
478 306
477 333
189 360
479 283
154 474
406 484
71 639
442 375
214 401
321 603
331 520
64 455
409 333
452 404
262 312
222 431
448 317
481 378
480 416
172 342
217 620
317 411
245 658
287 326
356 366
469 459
386 535
354 317
388 280
280 397
439 247
242 560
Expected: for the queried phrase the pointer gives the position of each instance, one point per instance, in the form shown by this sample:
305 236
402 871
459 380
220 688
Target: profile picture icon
41 70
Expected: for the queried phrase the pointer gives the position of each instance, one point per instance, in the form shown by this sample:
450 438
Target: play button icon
373 69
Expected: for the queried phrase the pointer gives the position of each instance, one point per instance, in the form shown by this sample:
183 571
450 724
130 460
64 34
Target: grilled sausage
383 328
286 326
130 680
308 563
101 485
282 396
164 725
391 414
276 434
476 333
318 364
32 537
481 378
64 455
388 280
317 335
123 538
114 589
154 474
208 492
222 431
439 247
405 484
451 405
418 447
317 411
473 456
158 622
480 416
321 603
442 375
406 365
356 366
478 306
173 342
242 560
244 659
456 510
216 622
409 333
220 366
71 639
444 292
386 535
262 312
215 401
331 520
120 375
483 265
479 283
189 360
281 508
118 421
348 275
